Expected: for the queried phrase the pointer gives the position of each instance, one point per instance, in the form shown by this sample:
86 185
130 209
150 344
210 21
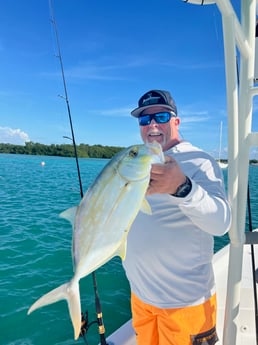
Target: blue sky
112 53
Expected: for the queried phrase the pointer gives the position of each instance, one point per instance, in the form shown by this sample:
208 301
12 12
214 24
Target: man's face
164 133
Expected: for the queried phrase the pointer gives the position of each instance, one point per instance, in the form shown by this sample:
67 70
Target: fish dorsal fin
69 214
145 208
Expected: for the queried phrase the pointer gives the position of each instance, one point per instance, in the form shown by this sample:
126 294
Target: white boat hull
246 322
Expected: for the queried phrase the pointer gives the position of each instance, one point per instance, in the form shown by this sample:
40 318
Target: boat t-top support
239 40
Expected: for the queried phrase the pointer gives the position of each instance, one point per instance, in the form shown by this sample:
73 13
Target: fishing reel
85 325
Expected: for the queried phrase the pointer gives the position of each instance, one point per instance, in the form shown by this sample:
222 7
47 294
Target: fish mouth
155 150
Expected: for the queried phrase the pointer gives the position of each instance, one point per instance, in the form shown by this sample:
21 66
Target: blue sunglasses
162 117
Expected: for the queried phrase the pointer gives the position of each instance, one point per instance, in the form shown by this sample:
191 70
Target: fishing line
85 324
215 26
59 56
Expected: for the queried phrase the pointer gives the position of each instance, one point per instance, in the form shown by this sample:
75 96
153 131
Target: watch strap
184 189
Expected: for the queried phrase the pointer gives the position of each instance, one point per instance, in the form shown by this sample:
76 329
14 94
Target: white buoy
42 163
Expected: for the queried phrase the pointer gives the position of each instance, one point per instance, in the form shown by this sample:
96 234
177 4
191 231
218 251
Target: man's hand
165 178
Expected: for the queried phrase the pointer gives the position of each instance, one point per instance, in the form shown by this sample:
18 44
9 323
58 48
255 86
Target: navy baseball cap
155 98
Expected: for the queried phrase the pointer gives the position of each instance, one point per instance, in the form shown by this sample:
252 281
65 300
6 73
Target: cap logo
154 98
150 100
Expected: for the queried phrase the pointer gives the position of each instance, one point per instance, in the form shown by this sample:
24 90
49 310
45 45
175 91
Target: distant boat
222 165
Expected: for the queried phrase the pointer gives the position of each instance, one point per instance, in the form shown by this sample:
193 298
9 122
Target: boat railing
239 44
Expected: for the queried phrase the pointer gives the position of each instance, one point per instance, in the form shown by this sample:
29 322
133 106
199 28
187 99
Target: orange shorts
195 325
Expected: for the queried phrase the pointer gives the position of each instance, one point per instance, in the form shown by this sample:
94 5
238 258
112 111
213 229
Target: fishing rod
84 320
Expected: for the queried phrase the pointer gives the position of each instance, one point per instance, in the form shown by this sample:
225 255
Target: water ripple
35 252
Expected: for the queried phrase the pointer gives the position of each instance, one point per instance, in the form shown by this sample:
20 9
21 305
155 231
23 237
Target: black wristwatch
183 189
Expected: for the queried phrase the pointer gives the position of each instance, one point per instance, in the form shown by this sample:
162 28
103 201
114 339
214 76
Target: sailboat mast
220 139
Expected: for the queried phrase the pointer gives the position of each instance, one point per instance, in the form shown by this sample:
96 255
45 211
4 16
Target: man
169 253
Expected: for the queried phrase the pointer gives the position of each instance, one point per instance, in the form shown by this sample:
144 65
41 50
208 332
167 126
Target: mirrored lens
163 117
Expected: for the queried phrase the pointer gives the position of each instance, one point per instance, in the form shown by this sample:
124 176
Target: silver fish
102 220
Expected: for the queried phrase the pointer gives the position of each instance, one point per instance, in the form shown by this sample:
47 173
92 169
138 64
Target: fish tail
70 292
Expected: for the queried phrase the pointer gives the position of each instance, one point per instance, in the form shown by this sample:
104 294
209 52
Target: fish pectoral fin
122 249
145 208
69 214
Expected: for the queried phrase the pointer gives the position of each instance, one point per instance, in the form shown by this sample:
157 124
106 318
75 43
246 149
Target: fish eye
133 152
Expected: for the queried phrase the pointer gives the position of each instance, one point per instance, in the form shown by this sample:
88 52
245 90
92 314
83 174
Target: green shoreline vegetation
67 150
62 150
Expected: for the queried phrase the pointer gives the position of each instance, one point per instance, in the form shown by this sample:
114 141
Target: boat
234 265
222 164
246 323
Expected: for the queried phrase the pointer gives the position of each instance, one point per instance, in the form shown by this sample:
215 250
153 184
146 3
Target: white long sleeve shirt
169 253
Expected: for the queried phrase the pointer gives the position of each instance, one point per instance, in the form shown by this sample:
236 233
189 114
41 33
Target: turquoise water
35 252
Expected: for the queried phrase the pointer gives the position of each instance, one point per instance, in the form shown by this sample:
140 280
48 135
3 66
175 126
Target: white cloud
13 136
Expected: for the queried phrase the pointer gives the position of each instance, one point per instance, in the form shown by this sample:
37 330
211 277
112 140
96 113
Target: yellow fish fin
145 208
122 249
